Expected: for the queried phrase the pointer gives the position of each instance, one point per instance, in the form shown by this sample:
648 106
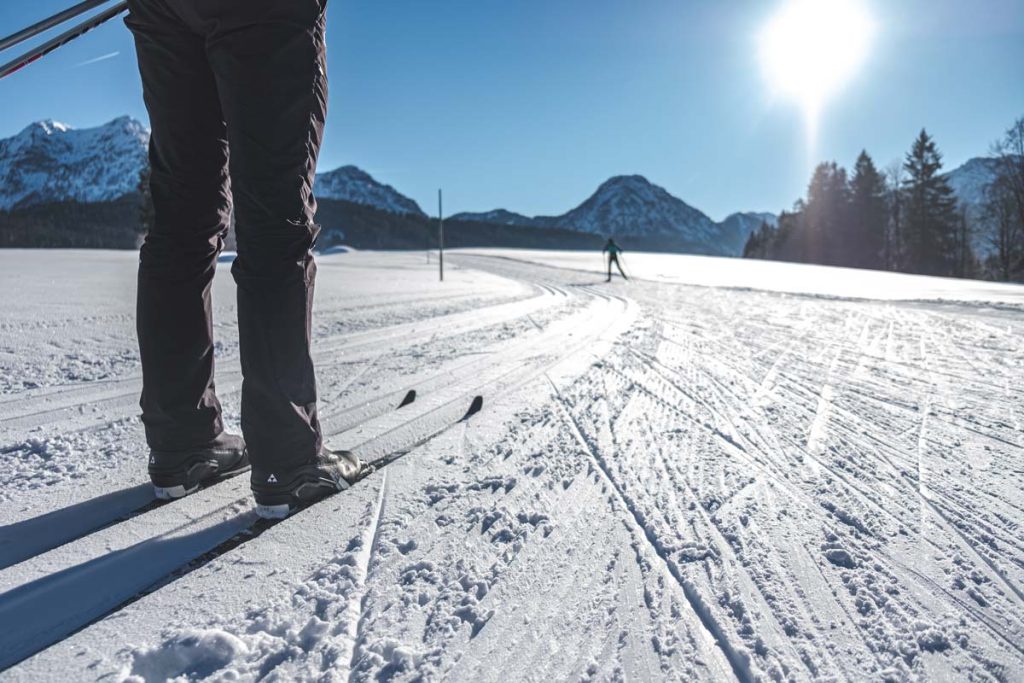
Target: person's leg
268 58
191 199
611 257
619 267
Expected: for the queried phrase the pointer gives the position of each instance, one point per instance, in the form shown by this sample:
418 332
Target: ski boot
278 494
176 474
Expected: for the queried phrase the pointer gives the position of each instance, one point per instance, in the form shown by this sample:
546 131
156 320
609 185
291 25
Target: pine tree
930 213
760 243
868 214
826 216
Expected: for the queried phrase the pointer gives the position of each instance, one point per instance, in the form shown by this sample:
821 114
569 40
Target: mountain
498 217
631 207
736 228
51 162
56 180
352 184
970 181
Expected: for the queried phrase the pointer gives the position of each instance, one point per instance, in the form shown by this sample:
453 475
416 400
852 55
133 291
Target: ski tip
410 396
474 407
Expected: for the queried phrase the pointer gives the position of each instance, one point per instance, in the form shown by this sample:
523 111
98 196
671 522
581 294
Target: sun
810 48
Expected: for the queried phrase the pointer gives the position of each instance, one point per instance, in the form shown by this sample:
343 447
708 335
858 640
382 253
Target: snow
777 276
722 470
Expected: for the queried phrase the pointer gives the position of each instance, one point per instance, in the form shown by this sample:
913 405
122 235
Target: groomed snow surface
722 470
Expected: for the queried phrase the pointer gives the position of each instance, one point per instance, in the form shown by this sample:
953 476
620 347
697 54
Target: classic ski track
125 391
361 595
232 488
347 417
738 661
727 553
336 419
124 336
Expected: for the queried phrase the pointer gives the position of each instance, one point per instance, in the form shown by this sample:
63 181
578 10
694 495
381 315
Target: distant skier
613 250
245 81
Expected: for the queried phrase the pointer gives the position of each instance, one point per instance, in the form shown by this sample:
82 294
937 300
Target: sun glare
810 48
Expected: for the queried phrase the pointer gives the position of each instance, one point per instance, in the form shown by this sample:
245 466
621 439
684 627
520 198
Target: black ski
17 550
261 524
409 398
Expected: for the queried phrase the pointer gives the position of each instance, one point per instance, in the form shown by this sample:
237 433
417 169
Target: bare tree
1006 231
1004 205
1009 150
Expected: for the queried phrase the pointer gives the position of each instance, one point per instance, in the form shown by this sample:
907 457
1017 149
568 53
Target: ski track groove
739 662
359 636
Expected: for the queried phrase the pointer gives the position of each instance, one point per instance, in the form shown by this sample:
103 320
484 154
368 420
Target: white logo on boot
271 479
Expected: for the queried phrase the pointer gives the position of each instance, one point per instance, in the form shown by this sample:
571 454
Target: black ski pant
237 94
613 258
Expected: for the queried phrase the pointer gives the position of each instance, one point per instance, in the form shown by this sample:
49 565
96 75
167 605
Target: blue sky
530 104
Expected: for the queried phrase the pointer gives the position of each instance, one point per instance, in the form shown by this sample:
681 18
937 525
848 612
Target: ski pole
49 22
63 39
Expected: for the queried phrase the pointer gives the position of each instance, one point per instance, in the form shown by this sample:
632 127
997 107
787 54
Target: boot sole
193 478
279 505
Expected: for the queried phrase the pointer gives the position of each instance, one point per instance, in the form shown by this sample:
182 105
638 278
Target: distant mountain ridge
51 162
630 206
49 165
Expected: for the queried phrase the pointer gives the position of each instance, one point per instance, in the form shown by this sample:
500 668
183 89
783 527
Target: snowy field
722 470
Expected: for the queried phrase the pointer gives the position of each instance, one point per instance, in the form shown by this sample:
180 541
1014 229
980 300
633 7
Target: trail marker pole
440 235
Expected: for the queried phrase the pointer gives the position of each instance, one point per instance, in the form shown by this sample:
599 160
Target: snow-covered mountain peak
49 161
630 205
44 127
352 184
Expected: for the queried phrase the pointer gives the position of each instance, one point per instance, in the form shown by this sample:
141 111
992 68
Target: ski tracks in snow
668 482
